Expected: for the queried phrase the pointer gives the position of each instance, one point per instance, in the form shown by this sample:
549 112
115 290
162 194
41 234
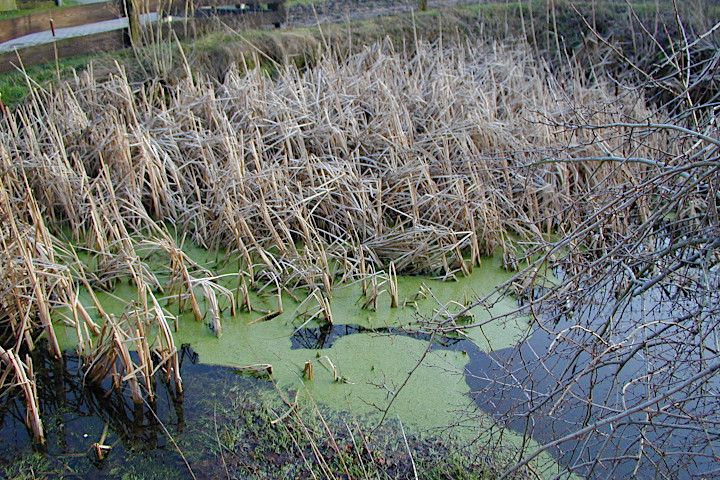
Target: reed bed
384 161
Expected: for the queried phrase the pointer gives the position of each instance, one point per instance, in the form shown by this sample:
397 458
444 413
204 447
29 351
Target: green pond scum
377 372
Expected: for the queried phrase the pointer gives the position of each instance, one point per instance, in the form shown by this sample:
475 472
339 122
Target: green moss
360 374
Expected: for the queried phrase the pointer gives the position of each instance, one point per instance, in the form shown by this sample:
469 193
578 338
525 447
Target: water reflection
316 338
569 377
136 424
76 415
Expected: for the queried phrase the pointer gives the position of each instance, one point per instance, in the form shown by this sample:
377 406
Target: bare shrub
619 377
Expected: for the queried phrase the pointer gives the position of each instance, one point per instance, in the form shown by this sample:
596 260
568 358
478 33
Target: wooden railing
195 12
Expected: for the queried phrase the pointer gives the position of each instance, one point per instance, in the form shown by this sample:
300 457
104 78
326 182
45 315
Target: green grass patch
36 7
15 86
29 467
268 440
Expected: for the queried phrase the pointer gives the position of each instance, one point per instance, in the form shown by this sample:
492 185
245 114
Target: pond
379 364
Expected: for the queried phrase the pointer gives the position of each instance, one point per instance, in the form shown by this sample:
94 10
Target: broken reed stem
24 378
169 356
309 371
188 283
143 349
120 346
213 308
393 286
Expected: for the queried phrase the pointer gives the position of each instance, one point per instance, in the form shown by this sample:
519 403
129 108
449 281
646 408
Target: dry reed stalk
363 274
264 254
188 284
120 346
393 286
323 311
81 347
143 349
371 292
168 352
325 273
28 258
78 310
100 362
328 364
111 357
99 448
291 142
271 226
243 294
179 274
212 308
98 306
24 378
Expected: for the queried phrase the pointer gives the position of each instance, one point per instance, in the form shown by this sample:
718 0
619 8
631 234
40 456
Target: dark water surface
528 390
551 395
75 417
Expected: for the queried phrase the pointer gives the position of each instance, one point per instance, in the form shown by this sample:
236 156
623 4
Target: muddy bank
334 11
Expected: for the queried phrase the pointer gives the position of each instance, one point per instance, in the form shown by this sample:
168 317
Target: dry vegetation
414 160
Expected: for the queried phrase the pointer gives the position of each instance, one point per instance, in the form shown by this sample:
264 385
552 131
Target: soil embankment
333 11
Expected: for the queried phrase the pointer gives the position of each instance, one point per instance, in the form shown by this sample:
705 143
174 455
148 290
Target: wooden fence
193 12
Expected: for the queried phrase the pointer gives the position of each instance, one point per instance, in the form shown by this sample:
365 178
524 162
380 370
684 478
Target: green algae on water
365 373
359 372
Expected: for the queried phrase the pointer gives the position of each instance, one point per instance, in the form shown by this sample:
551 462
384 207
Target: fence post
130 7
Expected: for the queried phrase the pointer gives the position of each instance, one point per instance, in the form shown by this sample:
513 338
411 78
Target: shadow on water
325 336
